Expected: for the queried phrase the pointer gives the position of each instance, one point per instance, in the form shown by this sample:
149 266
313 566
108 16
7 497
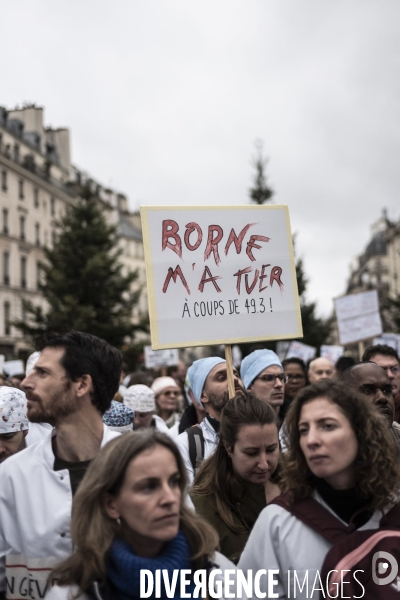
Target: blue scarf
123 567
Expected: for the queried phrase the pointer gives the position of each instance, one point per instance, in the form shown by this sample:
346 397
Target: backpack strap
313 514
196 446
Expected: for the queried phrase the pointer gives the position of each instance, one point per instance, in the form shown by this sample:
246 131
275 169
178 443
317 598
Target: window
23 311
22 228
37 234
38 275
6 268
52 206
36 197
16 153
7 326
5 221
23 271
4 181
21 189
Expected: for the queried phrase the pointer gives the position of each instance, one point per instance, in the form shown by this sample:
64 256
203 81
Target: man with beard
71 386
208 380
14 424
372 381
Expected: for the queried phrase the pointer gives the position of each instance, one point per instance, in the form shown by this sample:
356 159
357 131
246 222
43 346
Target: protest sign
358 317
389 339
153 359
300 350
281 349
236 356
220 275
13 367
332 353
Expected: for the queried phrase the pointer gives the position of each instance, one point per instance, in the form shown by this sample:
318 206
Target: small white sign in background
153 359
358 317
300 350
332 353
389 339
13 367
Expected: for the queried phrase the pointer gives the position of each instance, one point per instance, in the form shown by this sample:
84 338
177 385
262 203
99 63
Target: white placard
281 349
220 275
332 353
354 305
389 339
300 350
13 367
153 359
236 356
358 317
385 342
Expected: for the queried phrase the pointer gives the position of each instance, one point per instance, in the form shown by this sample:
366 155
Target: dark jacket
188 419
245 514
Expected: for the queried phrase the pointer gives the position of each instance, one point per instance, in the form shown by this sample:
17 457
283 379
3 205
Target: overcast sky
165 98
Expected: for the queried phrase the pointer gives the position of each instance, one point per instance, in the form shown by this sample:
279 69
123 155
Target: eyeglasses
395 369
272 378
296 377
170 393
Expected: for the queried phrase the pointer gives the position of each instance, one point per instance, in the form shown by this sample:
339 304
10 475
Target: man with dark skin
373 383
387 358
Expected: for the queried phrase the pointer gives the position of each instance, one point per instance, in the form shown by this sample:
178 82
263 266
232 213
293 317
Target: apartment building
37 184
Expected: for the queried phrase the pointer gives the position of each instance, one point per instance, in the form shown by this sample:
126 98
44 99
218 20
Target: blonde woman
129 514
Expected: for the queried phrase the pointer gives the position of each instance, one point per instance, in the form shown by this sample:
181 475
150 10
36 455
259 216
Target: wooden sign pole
361 349
229 370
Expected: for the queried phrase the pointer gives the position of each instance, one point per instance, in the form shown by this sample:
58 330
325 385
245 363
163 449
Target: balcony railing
28 163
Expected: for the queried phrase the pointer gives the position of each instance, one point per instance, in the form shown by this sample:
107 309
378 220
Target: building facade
378 267
37 184
371 269
392 239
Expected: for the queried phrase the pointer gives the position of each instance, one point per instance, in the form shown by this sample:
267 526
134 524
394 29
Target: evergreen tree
260 193
84 286
315 330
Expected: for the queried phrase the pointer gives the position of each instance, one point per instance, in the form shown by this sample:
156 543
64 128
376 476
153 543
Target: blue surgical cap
198 373
253 364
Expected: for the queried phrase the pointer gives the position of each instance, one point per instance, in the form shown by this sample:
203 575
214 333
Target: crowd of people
106 473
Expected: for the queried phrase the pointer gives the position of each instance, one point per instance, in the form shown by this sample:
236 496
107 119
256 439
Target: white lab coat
219 562
35 515
211 438
283 542
37 432
160 425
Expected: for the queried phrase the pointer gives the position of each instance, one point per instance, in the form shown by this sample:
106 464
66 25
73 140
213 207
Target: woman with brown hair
341 456
129 514
235 483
